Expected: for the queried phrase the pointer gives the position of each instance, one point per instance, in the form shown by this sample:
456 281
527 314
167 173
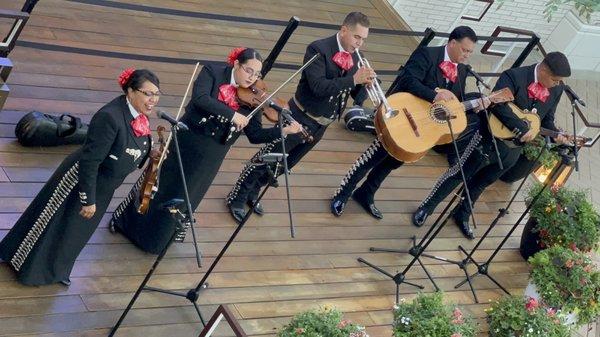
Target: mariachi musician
538 87
320 99
44 243
431 73
213 108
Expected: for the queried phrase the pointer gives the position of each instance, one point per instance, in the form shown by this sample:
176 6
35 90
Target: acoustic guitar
417 125
499 130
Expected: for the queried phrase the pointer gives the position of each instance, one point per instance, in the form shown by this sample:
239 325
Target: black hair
354 18
249 54
462 32
138 77
558 64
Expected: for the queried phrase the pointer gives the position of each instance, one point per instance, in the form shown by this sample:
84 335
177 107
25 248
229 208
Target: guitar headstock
501 96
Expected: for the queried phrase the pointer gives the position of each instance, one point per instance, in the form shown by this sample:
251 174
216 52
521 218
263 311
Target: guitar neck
549 133
471 104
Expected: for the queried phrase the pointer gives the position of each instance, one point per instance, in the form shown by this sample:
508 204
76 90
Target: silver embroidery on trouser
62 191
248 169
455 169
132 194
363 159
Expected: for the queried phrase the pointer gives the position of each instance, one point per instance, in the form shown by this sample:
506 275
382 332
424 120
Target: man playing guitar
433 74
538 87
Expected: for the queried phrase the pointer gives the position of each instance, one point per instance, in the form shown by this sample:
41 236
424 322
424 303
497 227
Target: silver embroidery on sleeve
62 191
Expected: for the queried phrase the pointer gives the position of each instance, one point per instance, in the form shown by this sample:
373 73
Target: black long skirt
43 244
201 156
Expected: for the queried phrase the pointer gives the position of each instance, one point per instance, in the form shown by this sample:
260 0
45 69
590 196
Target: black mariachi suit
44 243
481 168
421 75
202 153
322 92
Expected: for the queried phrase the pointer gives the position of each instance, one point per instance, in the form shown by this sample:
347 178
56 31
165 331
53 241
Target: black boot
258 209
337 206
419 217
369 206
237 212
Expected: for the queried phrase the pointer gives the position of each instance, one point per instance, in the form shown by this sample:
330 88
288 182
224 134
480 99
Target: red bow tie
228 95
449 70
140 126
344 60
538 92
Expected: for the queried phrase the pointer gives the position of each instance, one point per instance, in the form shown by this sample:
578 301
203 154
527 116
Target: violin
256 94
150 184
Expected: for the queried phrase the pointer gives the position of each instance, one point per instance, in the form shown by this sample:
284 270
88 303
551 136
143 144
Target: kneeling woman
209 114
44 243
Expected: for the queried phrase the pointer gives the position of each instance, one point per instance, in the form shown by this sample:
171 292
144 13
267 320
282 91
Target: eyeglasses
150 94
251 72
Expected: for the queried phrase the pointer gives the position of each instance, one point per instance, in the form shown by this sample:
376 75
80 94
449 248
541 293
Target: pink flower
299 331
573 246
588 268
456 334
551 312
343 323
458 316
569 264
531 304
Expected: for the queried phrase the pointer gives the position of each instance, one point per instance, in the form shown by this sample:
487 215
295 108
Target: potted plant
560 216
320 323
567 281
513 316
427 315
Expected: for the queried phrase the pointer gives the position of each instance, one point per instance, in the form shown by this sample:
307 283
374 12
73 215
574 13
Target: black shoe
337 206
464 228
369 207
238 213
419 217
66 282
258 209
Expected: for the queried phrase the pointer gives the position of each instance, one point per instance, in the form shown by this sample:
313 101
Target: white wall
566 33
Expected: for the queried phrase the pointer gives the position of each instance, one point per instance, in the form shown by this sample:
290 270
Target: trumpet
376 94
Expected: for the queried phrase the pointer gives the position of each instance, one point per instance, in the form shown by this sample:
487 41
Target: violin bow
187 91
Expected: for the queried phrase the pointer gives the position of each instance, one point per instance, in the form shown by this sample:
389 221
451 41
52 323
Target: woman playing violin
212 110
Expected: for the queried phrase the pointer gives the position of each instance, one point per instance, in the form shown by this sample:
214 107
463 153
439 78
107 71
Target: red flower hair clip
125 76
234 54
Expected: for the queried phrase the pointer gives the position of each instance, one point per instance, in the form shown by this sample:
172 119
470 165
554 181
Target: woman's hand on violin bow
240 121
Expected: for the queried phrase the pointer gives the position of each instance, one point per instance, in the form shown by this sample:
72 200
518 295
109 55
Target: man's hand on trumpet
364 76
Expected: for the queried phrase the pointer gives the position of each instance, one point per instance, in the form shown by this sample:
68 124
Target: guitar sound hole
438 113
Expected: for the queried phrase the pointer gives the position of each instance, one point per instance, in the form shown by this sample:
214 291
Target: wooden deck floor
67 60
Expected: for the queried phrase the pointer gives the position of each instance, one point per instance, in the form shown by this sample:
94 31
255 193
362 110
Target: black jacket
517 80
206 115
111 148
324 87
421 74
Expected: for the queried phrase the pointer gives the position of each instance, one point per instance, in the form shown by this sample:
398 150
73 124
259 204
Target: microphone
164 115
477 76
573 95
286 113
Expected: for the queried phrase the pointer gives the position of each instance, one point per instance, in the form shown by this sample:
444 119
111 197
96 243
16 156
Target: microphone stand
284 113
575 149
193 294
417 250
487 117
